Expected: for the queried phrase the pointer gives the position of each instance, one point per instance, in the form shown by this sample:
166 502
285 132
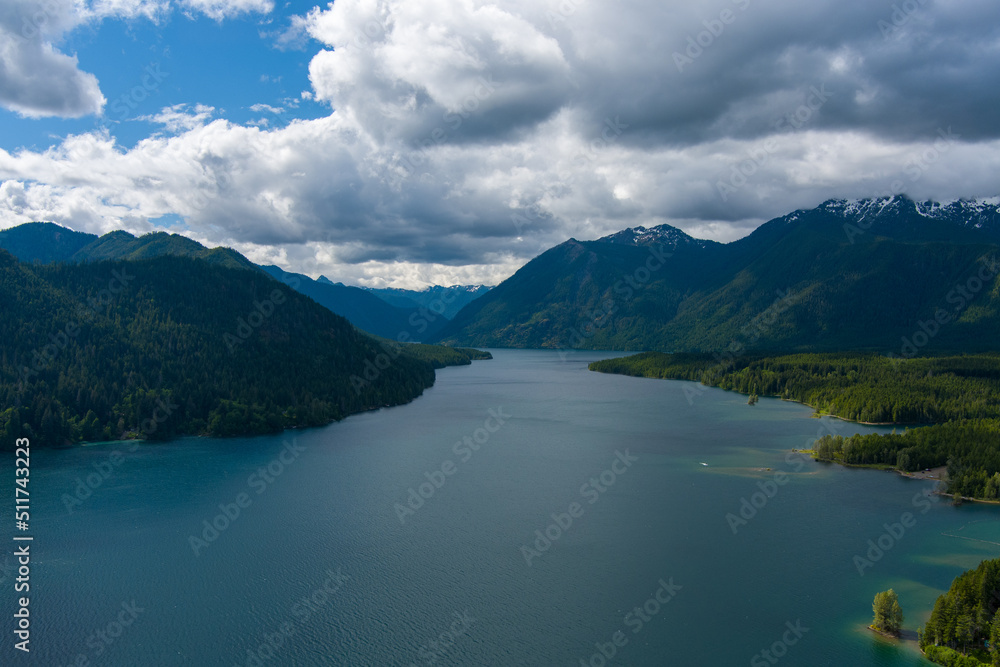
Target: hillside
122 245
45 242
443 301
846 275
364 309
110 350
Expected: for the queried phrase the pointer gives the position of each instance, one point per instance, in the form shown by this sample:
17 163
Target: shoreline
135 437
940 471
920 475
937 474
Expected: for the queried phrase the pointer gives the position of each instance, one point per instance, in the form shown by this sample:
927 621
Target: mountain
983 215
122 245
443 301
45 242
568 296
845 275
175 345
364 309
901 217
665 236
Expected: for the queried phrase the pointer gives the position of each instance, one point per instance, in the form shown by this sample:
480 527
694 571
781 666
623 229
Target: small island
888 619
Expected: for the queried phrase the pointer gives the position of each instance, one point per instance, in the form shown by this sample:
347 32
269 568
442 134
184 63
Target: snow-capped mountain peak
661 235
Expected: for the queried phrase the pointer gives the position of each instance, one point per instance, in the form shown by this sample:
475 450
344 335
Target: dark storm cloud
477 134
900 74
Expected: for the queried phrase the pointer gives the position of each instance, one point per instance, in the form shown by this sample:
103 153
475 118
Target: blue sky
144 66
401 143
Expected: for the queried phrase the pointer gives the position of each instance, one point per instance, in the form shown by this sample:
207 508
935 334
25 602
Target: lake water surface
323 566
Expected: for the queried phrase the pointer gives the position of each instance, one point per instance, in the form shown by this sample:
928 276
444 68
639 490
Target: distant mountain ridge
861 274
843 276
46 242
443 301
364 309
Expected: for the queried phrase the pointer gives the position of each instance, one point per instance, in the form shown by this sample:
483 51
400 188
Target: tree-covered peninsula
174 346
964 628
956 398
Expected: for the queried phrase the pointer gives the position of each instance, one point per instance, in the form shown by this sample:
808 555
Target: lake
523 511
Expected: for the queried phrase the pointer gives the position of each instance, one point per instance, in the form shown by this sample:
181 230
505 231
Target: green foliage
970 449
888 614
961 391
943 655
861 387
440 356
43 242
181 347
965 618
797 283
122 245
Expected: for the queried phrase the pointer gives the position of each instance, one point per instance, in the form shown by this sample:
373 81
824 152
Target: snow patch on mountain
661 235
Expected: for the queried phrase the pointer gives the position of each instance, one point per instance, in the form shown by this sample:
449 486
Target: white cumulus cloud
465 137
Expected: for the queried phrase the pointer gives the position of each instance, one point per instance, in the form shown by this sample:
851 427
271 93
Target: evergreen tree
182 346
888 613
965 619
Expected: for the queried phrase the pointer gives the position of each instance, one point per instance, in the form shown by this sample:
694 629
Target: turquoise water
321 566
